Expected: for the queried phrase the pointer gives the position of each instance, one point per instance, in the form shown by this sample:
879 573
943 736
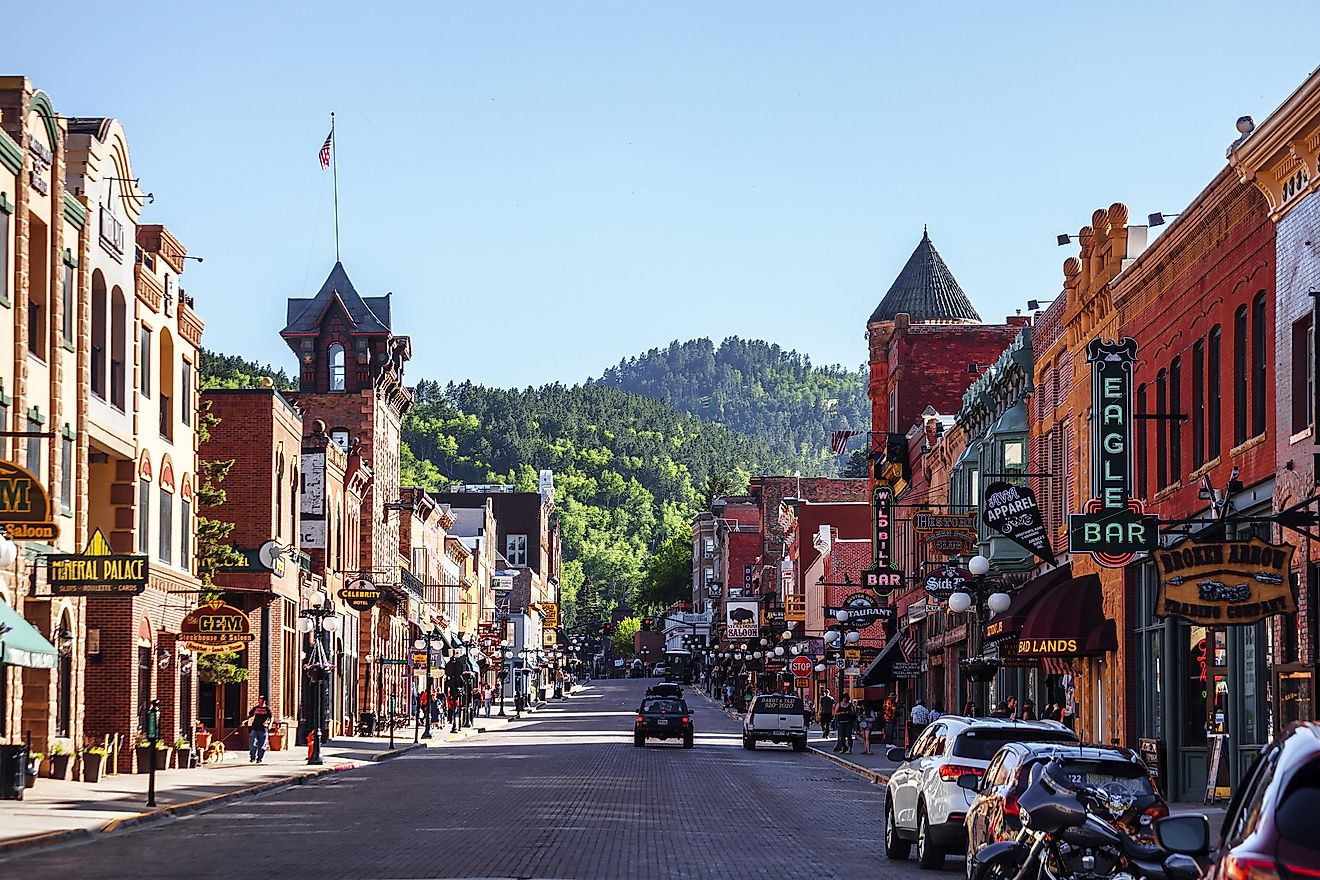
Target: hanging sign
215 628
1114 527
359 594
946 581
741 619
1225 582
25 511
953 534
551 612
863 610
97 572
1012 511
884 576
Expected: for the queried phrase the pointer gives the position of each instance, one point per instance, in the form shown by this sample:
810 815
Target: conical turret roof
927 291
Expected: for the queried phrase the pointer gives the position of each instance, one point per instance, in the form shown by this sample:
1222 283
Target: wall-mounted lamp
198 259
1064 238
1033 305
1159 219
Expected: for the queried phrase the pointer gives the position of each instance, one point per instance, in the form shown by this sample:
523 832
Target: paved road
563 794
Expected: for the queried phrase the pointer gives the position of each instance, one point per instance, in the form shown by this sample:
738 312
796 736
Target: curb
42 840
394 753
876 777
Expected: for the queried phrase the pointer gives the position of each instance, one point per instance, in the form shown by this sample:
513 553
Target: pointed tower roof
369 314
927 291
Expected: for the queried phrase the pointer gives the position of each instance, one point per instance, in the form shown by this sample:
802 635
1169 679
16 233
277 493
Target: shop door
220 708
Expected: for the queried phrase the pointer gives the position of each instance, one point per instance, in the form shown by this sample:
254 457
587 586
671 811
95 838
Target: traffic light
646 624
609 628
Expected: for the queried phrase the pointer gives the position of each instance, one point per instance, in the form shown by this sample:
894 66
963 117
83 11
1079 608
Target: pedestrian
844 716
920 717
969 710
937 711
865 721
1012 707
826 713
728 694
808 712
1000 711
1028 711
889 714
260 716
487 697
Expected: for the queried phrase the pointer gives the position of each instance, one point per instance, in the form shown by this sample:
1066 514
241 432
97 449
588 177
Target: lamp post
425 643
506 669
317 622
987 592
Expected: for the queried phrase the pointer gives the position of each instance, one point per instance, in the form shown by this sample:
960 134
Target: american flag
908 646
785 517
840 440
325 150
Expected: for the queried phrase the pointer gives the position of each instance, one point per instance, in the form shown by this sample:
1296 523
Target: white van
776 718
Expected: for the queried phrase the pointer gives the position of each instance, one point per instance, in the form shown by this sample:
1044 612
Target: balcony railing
411 583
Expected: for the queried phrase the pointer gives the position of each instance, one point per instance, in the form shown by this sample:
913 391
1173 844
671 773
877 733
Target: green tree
667 577
622 638
858 463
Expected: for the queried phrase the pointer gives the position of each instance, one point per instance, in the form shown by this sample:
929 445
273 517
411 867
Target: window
1198 403
974 487
38 284
515 550
340 438
69 304
64 639
1303 372
166 387
1150 648
336 354
1143 450
118 349
1161 429
185 536
185 392
4 254
144 360
1175 427
166 539
1258 365
169 295
1212 394
100 316
66 474
279 497
33 463
144 516
1240 375
1014 454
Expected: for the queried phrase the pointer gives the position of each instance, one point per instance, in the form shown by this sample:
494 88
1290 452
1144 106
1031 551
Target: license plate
663 722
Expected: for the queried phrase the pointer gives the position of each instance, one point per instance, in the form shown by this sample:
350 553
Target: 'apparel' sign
1225 582
1013 512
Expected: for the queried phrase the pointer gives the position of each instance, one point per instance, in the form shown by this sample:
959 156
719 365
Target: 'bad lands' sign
1013 512
1225 581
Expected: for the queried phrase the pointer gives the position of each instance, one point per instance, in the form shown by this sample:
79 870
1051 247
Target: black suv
672 691
663 718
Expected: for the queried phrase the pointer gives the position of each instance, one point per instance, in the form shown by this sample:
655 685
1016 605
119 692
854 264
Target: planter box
59 766
163 758
91 767
145 755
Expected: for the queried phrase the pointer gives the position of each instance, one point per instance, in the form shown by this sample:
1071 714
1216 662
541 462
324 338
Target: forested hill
755 388
630 472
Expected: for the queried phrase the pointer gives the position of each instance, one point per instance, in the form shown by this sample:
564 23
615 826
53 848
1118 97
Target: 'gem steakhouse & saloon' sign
24 506
1013 512
215 628
884 576
1225 582
97 572
1113 528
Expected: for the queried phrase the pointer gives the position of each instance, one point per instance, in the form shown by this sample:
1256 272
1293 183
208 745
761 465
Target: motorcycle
1069 833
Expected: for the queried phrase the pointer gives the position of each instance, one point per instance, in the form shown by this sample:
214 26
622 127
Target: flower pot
59 766
202 740
276 740
91 767
145 756
163 758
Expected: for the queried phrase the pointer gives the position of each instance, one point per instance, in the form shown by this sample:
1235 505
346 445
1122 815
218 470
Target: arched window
336 367
1175 432
1240 375
100 329
1198 403
118 348
1161 430
166 374
1143 466
64 677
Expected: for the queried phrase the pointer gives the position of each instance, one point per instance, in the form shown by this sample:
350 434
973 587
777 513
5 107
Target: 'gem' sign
215 628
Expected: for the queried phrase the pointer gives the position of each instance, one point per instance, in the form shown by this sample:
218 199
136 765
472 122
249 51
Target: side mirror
1184 835
969 781
895 754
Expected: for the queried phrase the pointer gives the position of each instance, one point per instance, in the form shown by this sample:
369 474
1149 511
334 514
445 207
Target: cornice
1286 143
11 156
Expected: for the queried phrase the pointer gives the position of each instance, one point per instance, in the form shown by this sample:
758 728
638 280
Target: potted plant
59 760
143 752
201 737
277 729
93 762
181 753
34 767
163 753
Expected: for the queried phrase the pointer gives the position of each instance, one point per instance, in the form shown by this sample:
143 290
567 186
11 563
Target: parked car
667 689
1270 827
993 815
923 802
659 670
775 718
663 718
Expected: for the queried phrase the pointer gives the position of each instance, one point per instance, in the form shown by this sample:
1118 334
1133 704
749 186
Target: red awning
1054 610
1008 624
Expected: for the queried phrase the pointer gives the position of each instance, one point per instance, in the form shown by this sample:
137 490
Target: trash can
13 772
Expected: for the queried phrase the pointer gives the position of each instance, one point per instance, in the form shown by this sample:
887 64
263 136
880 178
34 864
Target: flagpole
334 164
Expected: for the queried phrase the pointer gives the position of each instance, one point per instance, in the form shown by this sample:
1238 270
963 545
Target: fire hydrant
311 744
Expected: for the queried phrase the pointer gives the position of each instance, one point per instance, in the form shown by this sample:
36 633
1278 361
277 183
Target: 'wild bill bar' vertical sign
884 576
1113 528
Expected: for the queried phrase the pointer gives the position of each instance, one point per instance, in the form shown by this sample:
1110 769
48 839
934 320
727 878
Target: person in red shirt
260 716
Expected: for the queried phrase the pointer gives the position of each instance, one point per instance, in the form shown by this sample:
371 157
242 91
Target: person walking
844 716
808 712
260 716
1028 711
937 712
920 717
826 713
889 715
487 697
865 721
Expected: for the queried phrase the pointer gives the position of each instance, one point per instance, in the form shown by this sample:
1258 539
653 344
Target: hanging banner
1012 511
215 628
952 534
1225 582
97 572
884 576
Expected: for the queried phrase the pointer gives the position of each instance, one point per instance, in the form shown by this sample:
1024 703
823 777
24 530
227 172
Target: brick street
563 794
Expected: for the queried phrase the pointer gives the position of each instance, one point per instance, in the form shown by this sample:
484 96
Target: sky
549 187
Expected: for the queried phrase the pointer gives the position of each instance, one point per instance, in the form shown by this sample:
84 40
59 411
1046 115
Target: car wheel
688 741
896 848
799 745
749 743
639 741
929 856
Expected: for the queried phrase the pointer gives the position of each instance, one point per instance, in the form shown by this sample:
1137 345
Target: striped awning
21 644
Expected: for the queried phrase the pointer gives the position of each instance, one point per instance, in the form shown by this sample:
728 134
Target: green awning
21 644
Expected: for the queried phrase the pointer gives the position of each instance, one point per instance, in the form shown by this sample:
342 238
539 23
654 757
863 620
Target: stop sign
801 666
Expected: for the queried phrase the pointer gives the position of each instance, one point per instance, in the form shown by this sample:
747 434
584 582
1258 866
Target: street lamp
425 643
317 622
983 592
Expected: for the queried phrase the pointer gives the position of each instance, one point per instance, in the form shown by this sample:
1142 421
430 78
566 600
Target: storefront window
1255 698
1196 685
1150 646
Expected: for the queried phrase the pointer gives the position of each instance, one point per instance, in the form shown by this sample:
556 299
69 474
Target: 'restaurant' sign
359 594
884 576
1113 528
25 511
953 534
1013 512
863 610
97 572
1225 582
215 628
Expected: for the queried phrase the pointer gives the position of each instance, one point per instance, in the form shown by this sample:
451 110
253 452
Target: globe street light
317 622
426 643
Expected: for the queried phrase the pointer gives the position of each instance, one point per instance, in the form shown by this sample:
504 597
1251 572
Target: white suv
776 718
923 803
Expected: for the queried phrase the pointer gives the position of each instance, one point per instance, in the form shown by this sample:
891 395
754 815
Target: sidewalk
56 810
